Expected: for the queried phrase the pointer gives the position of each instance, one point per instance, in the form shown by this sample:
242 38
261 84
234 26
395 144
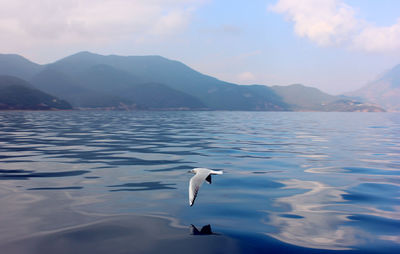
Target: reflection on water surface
294 182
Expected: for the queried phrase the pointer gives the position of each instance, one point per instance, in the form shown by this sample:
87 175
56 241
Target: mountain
98 85
302 98
16 93
18 66
349 105
90 80
384 91
67 88
204 91
117 82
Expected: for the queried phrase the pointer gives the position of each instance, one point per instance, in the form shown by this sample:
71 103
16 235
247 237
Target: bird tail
214 172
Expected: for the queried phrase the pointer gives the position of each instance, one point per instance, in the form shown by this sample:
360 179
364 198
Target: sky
334 45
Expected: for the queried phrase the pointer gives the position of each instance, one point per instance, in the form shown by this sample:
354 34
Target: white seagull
197 180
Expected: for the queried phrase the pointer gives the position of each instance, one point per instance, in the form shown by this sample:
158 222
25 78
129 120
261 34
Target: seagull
197 180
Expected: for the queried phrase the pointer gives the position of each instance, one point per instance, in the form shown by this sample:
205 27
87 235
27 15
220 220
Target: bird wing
194 230
195 182
208 179
206 230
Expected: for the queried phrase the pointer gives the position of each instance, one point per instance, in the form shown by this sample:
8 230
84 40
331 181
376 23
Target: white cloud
27 22
246 77
334 23
373 38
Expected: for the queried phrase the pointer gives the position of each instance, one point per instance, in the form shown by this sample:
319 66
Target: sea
117 182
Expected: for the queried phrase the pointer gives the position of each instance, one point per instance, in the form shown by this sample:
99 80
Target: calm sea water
117 182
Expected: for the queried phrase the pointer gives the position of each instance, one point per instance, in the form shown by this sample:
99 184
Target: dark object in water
205 230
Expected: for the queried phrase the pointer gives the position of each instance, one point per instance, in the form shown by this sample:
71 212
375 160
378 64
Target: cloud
334 23
246 77
317 225
373 38
90 21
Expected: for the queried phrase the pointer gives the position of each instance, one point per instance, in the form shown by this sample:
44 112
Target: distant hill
18 66
302 98
205 92
90 80
65 87
384 91
16 93
103 86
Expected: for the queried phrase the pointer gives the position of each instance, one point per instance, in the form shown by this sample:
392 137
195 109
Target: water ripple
308 182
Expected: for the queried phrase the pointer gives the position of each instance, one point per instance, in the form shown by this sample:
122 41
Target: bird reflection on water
205 230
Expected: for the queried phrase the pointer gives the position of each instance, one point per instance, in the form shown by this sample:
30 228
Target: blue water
86 181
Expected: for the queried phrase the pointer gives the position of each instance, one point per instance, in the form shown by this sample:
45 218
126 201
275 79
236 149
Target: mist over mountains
92 81
384 91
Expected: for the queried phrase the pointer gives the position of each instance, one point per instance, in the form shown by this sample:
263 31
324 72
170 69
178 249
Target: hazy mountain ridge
206 92
90 80
302 98
18 66
64 86
384 91
16 93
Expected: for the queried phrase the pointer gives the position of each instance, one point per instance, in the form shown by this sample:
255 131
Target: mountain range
88 80
384 91
18 94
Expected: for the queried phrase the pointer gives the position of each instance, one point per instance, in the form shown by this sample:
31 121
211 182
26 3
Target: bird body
201 175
